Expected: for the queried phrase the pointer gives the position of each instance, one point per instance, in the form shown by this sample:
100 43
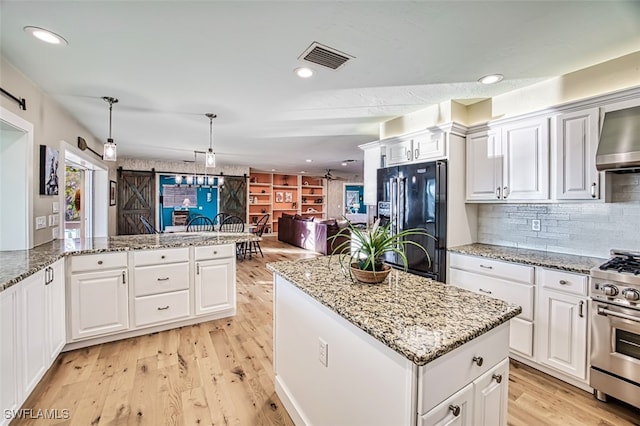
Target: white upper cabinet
416 147
371 166
509 162
576 136
400 152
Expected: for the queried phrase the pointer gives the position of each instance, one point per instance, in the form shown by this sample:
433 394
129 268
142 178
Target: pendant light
110 153
210 156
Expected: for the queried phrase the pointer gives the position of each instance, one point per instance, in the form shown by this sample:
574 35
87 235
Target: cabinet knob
478 360
455 410
99 262
215 252
563 282
497 378
162 257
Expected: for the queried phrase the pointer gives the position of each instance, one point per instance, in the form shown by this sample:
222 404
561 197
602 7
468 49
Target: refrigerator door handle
401 194
393 211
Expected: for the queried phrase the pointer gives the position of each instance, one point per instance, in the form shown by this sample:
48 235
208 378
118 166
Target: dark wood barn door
233 196
136 197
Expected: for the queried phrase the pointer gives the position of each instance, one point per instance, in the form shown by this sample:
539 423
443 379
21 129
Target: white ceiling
170 62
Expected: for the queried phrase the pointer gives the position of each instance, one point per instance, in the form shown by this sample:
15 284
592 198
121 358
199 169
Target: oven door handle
605 312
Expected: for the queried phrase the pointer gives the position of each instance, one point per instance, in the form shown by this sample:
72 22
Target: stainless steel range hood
619 147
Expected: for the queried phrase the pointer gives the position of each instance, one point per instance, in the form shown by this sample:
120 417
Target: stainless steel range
615 328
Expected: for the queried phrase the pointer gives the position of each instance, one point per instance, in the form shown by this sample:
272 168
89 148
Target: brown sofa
309 234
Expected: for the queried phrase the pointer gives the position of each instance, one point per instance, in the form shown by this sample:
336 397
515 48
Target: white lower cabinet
214 280
562 337
10 351
456 410
33 330
55 310
99 303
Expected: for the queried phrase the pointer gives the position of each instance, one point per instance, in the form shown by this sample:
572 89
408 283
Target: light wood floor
220 373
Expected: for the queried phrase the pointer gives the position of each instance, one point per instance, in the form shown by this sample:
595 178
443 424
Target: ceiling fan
329 176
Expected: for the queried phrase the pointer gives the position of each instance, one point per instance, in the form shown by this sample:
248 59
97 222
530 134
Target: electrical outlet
535 225
50 220
54 232
323 352
41 222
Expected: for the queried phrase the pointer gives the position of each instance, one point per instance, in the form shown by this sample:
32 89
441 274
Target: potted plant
365 249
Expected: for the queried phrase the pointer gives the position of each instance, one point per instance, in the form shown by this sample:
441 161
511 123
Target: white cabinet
99 300
456 410
509 163
576 138
562 322
214 279
33 332
10 351
491 393
416 147
55 309
371 166
503 280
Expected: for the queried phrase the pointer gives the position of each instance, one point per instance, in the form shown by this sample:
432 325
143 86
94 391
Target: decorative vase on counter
370 277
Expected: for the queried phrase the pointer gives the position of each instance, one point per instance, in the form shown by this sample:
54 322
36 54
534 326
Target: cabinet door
563 332
56 320
491 396
484 167
215 286
429 146
99 303
526 160
576 145
399 152
456 410
33 331
10 353
371 166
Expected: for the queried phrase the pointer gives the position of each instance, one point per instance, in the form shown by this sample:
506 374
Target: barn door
136 197
233 197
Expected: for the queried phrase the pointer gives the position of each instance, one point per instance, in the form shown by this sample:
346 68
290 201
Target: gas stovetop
618 279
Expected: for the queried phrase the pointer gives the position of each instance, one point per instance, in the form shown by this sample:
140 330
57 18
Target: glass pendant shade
210 158
109 153
200 180
189 179
178 179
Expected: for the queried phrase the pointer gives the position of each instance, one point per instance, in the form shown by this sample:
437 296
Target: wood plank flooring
220 373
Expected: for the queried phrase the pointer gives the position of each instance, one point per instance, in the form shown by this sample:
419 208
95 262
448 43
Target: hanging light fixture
210 156
109 153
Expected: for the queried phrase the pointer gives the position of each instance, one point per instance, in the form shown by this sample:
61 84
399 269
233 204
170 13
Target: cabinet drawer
155 257
161 307
215 252
496 268
564 281
521 336
161 278
98 262
437 381
443 413
512 292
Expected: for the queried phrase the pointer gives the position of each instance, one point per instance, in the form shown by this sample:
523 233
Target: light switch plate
55 207
56 219
50 217
41 222
54 232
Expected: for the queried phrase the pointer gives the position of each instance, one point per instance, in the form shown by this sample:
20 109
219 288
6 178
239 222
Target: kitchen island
407 351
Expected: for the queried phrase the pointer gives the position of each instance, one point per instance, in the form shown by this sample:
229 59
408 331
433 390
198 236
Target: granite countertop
19 264
547 259
417 317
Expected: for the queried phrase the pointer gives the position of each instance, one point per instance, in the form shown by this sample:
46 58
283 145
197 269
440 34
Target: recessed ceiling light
46 35
273 170
308 160
302 171
304 72
491 79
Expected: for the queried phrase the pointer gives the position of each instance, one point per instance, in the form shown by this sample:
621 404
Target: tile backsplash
587 228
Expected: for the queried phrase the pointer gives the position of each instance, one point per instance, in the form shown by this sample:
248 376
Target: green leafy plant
366 248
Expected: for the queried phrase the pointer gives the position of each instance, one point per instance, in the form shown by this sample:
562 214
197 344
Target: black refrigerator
415 196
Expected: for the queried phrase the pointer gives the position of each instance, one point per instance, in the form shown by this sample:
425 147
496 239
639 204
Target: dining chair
254 246
148 227
218 219
200 224
235 224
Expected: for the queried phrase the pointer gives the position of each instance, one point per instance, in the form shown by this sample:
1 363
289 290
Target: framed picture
288 197
279 197
113 191
48 170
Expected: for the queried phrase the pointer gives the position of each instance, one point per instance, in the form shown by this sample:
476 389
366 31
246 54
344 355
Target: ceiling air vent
325 56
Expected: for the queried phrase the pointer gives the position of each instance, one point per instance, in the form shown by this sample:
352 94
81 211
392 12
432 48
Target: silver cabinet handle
408 155
593 190
163 279
580 309
197 269
455 410
47 275
124 277
498 193
505 192
497 378
486 267
478 360
484 291
417 153
163 309
563 282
